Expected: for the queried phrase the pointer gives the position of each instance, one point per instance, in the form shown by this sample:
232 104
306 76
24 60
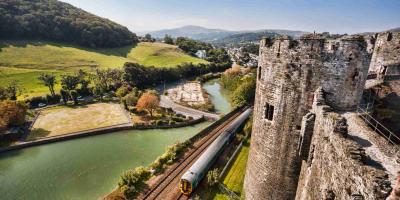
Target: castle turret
288 74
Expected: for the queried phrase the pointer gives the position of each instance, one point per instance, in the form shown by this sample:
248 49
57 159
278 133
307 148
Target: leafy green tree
59 21
48 80
122 91
69 82
148 38
245 92
13 89
131 99
168 39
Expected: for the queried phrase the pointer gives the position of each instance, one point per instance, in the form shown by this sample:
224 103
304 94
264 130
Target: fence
377 126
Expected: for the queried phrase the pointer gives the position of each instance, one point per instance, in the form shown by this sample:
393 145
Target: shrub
159 122
53 99
122 91
177 119
132 181
212 177
74 96
35 101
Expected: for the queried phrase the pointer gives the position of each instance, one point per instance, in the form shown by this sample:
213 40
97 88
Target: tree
74 96
122 91
131 99
245 92
64 96
149 102
69 82
148 37
168 39
12 113
48 80
13 89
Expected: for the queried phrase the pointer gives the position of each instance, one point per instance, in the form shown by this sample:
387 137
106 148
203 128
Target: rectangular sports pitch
62 120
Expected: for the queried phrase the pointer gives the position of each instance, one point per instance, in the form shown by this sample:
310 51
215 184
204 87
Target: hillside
255 36
23 61
59 21
223 37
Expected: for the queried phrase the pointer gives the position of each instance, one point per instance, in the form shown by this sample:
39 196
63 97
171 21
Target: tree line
55 20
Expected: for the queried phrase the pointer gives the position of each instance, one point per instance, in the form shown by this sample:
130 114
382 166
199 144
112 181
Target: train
192 177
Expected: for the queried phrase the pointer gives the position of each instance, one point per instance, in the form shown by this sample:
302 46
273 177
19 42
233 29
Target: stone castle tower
289 73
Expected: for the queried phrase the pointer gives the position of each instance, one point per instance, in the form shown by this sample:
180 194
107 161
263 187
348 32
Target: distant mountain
193 32
256 36
395 29
59 21
220 36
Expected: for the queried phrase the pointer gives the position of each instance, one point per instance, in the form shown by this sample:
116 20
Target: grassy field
160 54
63 120
235 177
23 61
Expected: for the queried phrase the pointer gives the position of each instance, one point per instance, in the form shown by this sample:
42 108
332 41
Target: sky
334 16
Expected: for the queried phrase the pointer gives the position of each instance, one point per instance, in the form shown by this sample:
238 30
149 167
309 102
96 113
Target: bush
159 122
74 96
35 101
212 177
177 119
53 99
172 122
132 181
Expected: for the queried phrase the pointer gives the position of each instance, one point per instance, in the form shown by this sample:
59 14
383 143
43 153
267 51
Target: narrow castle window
268 112
259 73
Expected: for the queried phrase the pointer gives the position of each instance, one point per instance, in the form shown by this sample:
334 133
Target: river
89 168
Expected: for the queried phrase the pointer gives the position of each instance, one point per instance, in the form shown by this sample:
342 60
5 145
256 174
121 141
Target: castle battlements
289 73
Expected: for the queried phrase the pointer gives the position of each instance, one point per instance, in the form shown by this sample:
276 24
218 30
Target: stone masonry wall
386 55
288 74
335 168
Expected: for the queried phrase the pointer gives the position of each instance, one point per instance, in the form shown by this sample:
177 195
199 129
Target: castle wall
289 72
386 55
335 167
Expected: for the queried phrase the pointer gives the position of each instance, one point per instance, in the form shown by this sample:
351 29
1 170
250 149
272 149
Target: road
168 103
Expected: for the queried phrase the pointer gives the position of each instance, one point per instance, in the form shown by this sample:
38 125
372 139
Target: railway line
167 187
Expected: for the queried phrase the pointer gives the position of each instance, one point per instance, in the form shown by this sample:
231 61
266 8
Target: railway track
171 179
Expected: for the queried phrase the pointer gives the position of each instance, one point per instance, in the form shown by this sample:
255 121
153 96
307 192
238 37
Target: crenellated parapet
288 74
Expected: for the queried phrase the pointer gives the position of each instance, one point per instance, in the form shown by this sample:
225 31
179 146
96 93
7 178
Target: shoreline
94 132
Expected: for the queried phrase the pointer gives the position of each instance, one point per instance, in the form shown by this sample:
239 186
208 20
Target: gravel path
360 132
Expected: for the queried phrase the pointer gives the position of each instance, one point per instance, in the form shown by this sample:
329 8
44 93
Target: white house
201 54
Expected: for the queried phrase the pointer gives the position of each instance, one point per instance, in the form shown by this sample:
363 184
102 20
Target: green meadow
23 61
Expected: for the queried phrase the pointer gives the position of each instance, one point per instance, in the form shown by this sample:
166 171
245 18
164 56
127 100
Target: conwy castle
307 141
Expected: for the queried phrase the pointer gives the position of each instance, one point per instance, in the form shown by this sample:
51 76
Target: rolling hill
220 36
193 32
62 22
23 61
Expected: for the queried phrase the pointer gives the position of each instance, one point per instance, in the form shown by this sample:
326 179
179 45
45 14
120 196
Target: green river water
89 168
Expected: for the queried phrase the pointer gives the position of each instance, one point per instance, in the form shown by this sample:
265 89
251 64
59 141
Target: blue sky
335 16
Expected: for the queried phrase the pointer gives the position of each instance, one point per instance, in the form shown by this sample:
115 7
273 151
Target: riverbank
89 167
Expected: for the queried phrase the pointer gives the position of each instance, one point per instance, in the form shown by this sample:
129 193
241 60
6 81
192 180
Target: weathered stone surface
338 165
289 73
386 56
